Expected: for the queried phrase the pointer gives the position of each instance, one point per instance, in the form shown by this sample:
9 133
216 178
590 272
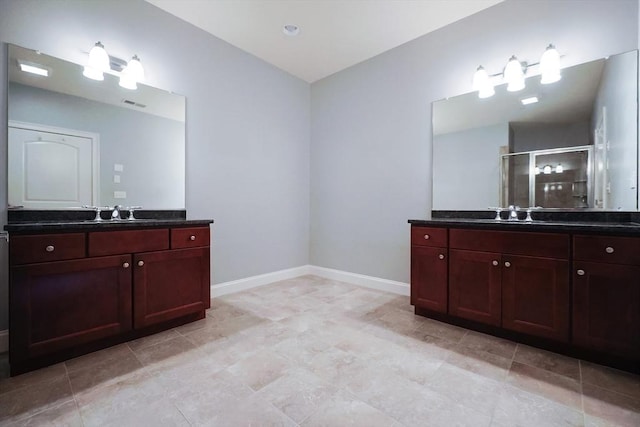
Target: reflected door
50 170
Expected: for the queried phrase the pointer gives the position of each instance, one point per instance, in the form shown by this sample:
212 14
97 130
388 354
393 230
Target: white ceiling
334 34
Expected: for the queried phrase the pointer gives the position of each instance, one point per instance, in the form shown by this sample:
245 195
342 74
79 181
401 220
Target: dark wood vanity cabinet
606 294
429 268
76 289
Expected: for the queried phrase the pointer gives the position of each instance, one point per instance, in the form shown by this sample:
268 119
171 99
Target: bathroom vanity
77 286
572 287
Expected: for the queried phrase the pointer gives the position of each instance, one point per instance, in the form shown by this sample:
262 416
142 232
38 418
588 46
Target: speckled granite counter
90 225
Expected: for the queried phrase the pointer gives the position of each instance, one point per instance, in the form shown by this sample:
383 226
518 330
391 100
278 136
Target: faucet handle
97 210
497 210
131 209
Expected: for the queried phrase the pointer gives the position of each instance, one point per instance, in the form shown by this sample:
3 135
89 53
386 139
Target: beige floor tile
517 407
98 357
544 383
33 399
611 406
334 366
260 369
611 379
66 415
346 411
479 362
104 371
165 351
490 344
32 378
553 362
301 348
442 330
252 412
154 339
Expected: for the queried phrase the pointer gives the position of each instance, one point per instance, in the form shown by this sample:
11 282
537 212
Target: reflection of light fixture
559 187
514 74
550 65
559 168
482 83
34 69
132 74
98 63
529 100
536 170
547 170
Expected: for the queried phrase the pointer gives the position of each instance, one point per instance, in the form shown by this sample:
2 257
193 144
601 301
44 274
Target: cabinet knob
608 250
580 272
140 263
427 237
507 264
50 248
494 262
125 265
192 238
441 256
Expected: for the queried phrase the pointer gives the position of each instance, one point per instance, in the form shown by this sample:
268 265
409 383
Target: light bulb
482 83
550 65
98 63
514 75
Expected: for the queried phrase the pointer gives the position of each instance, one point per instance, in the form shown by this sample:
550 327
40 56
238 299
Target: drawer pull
192 238
441 256
140 263
580 272
125 265
507 264
608 250
50 248
494 262
427 237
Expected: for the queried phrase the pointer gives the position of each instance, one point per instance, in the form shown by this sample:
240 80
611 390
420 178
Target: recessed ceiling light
291 30
34 69
530 100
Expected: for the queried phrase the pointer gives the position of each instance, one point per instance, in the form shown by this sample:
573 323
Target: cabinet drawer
428 236
547 245
615 250
46 247
189 237
124 242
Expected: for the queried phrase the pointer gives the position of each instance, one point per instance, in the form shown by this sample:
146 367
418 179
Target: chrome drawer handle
427 237
441 256
494 262
50 248
192 238
140 263
507 264
125 265
580 272
609 250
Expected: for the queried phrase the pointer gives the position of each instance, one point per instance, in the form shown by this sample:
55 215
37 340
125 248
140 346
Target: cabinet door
58 305
429 278
535 296
170 284
474 286
606 307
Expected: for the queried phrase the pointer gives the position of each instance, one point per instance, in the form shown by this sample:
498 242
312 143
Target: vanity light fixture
514 73
132 74
98 63
34 69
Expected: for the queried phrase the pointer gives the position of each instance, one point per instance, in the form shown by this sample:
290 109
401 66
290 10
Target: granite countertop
618 228
92 225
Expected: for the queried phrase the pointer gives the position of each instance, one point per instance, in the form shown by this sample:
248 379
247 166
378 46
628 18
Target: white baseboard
4 341
399 288
371 282
255 281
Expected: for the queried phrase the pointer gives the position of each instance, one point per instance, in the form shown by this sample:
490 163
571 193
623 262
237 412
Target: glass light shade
92 73
536 170
550 66
547 170
559 168
514 75
132 74
482 83
98 63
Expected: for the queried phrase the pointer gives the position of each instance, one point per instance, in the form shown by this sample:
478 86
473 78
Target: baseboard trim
371 282
4 341
256 281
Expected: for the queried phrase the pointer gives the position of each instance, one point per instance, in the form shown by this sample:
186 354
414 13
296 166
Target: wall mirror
575 148
75 141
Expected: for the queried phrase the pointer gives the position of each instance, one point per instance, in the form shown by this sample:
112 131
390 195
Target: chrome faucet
513 212
115 214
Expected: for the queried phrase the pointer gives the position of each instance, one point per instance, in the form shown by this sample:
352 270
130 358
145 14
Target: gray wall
371 124
530 136
247 158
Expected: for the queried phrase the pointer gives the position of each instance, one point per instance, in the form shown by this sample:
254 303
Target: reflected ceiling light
530 100
98 63
132 74
291 30
514 74
559 168
482 83
550 65
536 170
547 170
34 69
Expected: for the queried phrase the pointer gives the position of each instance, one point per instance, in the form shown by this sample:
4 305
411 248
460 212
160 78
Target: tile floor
315 352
